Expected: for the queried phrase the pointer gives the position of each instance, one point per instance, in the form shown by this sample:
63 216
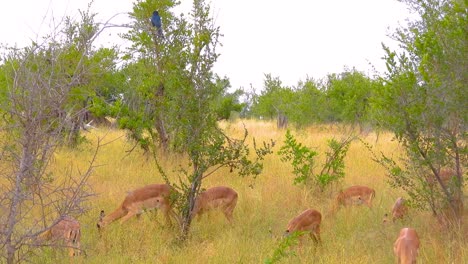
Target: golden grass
266 204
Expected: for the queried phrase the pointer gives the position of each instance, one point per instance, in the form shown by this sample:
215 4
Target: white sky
290 39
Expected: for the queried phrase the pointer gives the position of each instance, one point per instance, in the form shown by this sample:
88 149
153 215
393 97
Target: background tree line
343 98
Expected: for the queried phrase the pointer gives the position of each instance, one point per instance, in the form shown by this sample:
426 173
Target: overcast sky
289 39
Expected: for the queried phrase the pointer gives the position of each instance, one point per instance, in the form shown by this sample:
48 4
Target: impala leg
78 250
175 216
199 215
154 214
229 217
313 237
76 242
167 216
228 212
369 202
317 235
71 252
71 247
301 238
126 217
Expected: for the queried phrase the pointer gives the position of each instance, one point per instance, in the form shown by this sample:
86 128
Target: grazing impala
451 214
406 246
309 221
445 176
355 195
148 197
399 209
66 230
220 197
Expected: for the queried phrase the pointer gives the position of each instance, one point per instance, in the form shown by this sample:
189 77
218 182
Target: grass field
266 204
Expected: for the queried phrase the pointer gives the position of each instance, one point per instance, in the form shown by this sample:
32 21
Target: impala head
100 223
288 233
385 219
359 200
159 202
272 235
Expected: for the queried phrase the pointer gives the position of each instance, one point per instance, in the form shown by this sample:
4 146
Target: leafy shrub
302 159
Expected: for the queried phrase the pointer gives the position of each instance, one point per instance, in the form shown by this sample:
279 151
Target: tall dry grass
266 204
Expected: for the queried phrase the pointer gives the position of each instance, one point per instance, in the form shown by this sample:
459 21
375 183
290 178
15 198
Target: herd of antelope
406 245
157 196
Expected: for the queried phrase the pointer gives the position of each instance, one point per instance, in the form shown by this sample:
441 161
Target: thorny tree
423 101
38 85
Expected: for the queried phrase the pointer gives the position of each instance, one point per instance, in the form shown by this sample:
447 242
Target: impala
66 230
399 209
445 175
406 246
153 196
355 195
308 221
220 197
451 213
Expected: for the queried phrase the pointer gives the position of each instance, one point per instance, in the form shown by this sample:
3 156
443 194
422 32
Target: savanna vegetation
83 125
266 204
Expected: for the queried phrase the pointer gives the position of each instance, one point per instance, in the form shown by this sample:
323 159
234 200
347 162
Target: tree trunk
162 133
187 214
17 199
160 94
282 121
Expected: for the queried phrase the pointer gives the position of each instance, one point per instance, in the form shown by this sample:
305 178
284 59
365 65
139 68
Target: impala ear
385 218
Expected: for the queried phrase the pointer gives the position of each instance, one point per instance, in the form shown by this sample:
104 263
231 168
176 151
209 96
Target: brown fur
399 210
406 246
355 195
445 175
448 216
67 230
220 197
148 197
309 220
